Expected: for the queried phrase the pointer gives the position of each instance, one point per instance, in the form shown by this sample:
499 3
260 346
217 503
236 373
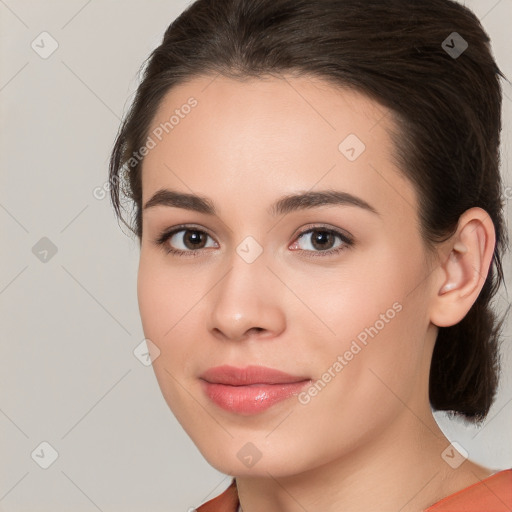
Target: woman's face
335 293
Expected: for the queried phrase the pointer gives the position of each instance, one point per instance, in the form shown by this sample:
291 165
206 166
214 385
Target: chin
244 459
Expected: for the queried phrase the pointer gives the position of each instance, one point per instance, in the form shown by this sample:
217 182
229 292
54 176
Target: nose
246 302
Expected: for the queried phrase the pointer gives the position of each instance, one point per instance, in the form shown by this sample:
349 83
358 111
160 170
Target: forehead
273 136
298 105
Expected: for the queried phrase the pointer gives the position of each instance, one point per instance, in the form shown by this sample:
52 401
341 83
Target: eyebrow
283 206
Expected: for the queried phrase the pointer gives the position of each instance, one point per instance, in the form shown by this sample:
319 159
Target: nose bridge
248 266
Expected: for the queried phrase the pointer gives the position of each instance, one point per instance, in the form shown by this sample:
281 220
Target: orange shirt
493 494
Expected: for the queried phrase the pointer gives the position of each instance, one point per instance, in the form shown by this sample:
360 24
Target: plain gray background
70 324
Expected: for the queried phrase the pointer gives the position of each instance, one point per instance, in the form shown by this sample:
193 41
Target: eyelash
165 235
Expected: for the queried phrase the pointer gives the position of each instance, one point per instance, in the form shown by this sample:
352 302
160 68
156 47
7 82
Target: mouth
250 390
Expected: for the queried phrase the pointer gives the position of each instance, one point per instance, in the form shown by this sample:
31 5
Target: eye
321 241
189 240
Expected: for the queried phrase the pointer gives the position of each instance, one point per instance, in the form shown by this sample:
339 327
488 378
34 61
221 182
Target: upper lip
233 376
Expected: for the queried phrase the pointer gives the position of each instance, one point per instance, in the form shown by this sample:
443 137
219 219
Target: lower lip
251 399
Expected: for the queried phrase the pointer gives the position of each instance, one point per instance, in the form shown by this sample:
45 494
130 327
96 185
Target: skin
245 145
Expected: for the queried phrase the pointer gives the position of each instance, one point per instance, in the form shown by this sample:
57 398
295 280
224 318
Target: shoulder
225 502
492 494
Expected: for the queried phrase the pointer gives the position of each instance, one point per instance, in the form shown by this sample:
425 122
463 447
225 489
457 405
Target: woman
316 193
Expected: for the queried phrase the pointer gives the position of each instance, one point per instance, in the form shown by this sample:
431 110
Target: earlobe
464 271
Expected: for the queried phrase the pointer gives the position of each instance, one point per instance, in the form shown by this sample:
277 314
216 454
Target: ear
464 264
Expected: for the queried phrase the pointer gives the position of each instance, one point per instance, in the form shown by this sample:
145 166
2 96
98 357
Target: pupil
322 235
195 237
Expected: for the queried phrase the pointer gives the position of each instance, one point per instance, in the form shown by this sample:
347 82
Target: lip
250 390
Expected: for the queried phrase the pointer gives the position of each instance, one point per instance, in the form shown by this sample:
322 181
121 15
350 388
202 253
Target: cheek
161 306
150 299
375 316
352 298
167 305
160 317
161 296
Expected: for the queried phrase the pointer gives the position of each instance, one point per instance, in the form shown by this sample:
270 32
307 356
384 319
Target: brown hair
445 98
